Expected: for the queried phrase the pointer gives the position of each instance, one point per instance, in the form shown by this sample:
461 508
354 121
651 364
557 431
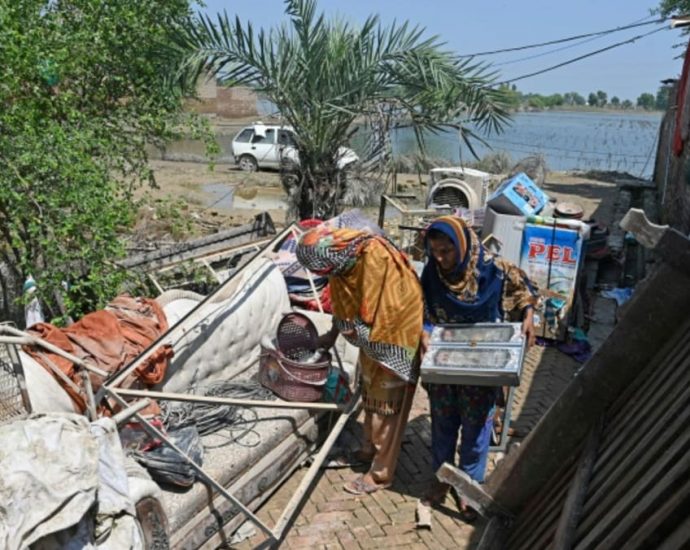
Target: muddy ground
223 196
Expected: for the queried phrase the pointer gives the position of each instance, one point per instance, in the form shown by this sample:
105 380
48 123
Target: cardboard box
518 195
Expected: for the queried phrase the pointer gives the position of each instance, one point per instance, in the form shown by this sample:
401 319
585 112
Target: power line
568 39
579 58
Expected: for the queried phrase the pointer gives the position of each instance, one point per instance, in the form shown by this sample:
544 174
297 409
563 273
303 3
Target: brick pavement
332 518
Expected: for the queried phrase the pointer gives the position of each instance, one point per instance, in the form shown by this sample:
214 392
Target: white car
271 146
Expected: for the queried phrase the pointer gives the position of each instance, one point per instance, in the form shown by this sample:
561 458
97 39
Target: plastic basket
293 380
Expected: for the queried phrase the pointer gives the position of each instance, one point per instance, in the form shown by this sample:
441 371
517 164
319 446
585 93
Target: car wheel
248 163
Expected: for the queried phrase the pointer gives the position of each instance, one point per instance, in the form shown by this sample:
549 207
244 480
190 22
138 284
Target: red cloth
680 104
108 339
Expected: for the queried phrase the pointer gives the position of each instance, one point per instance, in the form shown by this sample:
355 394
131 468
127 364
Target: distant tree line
518 100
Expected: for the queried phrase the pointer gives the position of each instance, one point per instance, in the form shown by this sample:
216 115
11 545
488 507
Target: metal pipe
129 412
191 398
309 477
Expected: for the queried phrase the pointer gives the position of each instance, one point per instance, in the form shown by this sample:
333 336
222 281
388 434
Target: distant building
217 100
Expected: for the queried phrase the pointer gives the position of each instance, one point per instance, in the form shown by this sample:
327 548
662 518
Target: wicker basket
292 380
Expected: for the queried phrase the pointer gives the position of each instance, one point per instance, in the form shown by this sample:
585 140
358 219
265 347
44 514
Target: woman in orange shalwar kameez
378 307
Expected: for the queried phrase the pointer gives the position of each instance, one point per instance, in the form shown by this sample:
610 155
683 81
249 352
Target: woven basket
292 380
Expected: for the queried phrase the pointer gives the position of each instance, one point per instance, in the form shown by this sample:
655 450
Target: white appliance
457 187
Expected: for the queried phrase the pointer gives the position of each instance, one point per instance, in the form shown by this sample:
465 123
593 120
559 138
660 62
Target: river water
624 142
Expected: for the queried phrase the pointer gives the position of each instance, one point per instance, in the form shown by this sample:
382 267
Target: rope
233 422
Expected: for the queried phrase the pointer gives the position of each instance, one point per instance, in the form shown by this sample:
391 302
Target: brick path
332 518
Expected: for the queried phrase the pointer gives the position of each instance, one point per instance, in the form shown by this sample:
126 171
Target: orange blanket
108 339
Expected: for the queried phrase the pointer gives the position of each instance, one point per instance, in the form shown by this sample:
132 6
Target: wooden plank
470 490
649 382
572 507
664 297
669 470
210 244
661 445
536 510
527 533
679 538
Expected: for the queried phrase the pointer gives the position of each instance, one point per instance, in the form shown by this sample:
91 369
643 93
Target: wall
671 173
212 99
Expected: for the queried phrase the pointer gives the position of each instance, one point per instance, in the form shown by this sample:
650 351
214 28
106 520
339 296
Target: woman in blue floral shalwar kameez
463 283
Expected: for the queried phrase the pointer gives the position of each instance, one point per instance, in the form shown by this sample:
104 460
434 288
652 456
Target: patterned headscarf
328 251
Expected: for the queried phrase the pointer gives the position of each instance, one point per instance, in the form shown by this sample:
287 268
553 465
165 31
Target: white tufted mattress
220 339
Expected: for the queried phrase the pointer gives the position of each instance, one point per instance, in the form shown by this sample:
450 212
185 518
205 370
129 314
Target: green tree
602 98
663 95
83 92
627 104
511 96
322 75
593 100
555 100
578 99
615 101
646 101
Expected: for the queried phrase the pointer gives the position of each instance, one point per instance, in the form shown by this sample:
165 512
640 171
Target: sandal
361 487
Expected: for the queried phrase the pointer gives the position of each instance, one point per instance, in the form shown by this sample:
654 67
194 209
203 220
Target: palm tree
324 75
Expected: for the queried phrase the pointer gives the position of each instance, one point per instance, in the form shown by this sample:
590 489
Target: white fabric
48 476
45 393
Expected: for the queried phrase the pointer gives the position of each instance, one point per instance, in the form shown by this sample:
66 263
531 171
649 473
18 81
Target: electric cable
568 39
579 58
233 422
562 48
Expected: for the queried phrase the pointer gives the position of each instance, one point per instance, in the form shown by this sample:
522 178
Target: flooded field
624 142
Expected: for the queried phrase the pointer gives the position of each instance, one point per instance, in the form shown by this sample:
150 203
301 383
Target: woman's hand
424 343
528 328
327 341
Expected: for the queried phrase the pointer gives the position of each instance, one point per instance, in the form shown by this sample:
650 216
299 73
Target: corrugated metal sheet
638 494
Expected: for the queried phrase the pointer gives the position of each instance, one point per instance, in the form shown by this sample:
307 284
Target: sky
481 25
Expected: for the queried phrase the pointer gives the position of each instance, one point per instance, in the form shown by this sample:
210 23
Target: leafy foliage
322 75
83 92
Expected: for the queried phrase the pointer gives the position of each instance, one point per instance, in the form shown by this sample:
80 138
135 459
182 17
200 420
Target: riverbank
227 196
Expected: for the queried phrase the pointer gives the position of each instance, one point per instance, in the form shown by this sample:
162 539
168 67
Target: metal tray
478 334
483 354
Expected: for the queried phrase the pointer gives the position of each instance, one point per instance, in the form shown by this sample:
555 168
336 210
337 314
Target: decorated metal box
482 354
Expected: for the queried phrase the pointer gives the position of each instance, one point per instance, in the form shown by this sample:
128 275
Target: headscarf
374 290
481 286
328 251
